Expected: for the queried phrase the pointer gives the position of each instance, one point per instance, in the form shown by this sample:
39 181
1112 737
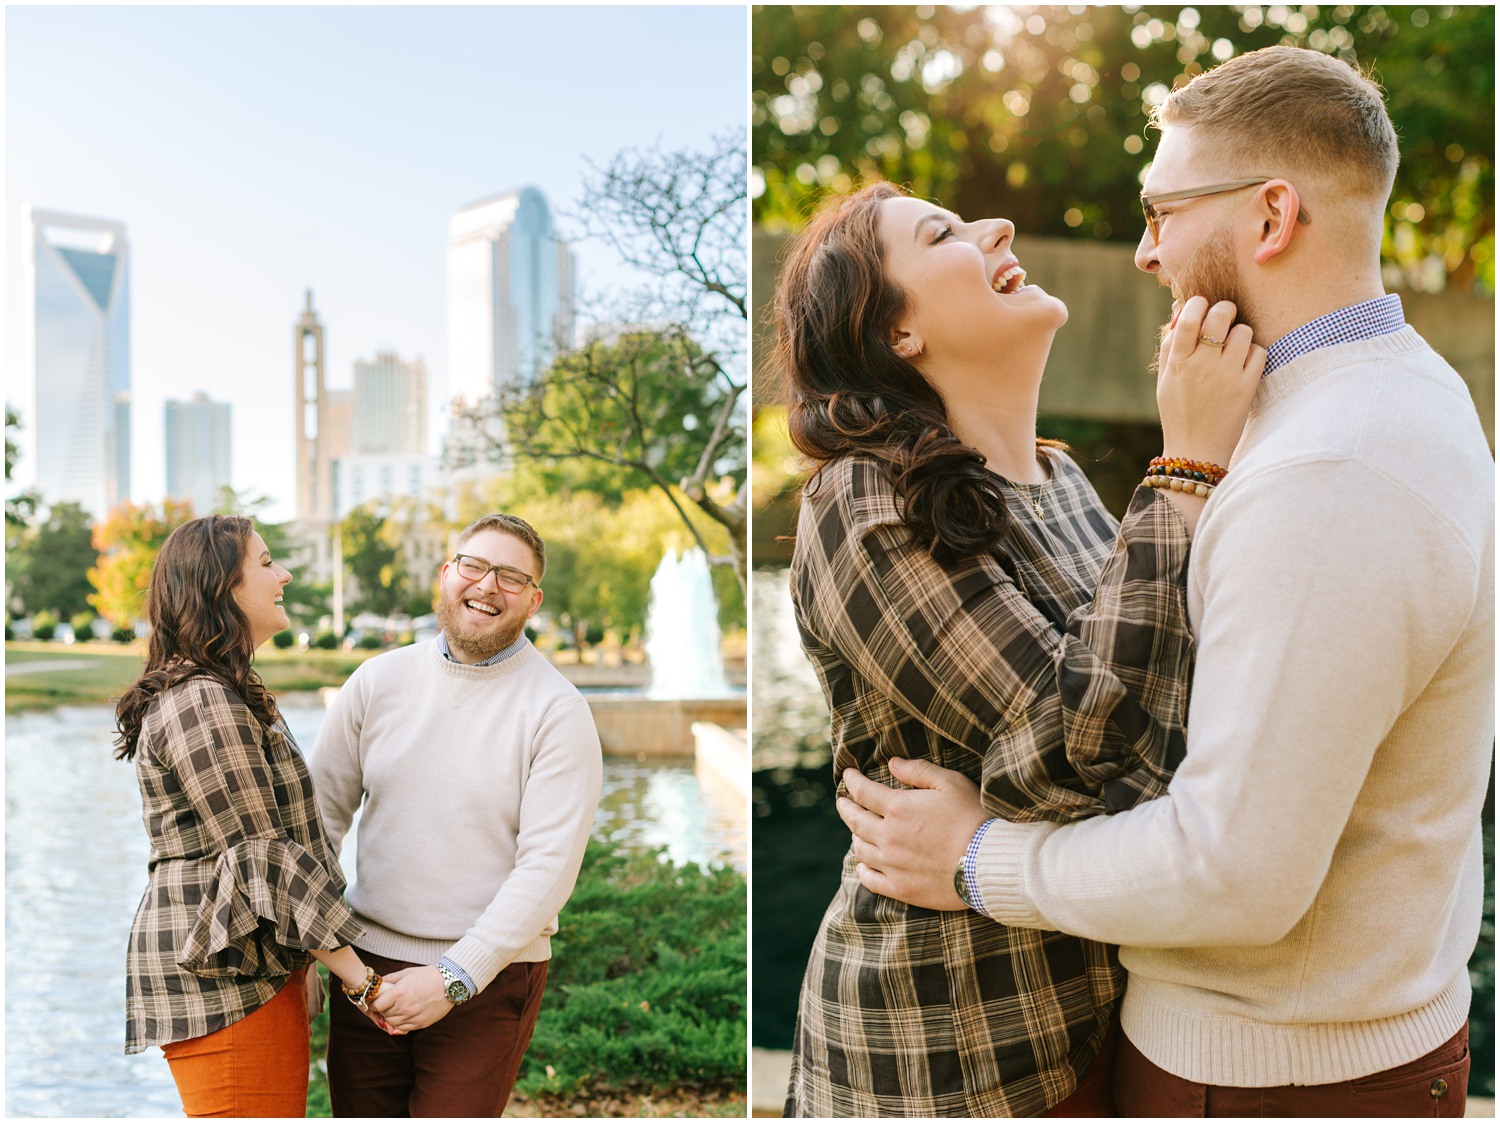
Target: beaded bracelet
1176 483
1198 470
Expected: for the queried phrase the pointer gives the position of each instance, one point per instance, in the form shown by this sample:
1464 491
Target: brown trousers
462 1066
255 1068
1434 1086
1094 1097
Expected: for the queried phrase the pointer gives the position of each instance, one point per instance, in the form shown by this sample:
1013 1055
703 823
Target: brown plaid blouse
1054 673
241 880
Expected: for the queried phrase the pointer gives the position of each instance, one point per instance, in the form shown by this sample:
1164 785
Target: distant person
243 890
966 599
478 769
1298 911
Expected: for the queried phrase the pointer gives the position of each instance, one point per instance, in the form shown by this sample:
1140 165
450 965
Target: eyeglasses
1153 220
474 569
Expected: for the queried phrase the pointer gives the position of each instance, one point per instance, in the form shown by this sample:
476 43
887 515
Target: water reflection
75 868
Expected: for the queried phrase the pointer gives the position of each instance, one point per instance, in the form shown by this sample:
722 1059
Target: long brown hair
196 626
849 392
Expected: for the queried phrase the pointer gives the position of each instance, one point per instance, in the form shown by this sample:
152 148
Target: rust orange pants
255 1068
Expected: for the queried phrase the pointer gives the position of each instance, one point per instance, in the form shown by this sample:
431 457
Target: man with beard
1297 913
479 769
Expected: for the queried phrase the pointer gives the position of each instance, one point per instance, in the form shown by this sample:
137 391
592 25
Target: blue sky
253 152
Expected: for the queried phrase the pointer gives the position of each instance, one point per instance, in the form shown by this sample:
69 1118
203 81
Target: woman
966 599
242 888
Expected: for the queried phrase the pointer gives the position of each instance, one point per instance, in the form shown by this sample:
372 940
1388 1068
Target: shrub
326 641
10 633
370 643
593 634
123 635
646 987
83 625
283 639
43 625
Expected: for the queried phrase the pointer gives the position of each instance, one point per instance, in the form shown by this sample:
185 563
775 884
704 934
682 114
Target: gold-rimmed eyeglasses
1153 220
474 569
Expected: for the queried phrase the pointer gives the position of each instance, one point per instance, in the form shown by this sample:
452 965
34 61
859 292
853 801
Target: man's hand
412 999
909 842
312 992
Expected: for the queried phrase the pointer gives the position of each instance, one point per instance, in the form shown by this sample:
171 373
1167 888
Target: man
1297 912
479 770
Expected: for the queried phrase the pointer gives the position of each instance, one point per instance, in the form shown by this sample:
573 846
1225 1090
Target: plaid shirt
241 880
1053 672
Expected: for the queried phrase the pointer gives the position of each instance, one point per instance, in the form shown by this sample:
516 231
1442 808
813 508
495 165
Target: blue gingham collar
498 657
1366 320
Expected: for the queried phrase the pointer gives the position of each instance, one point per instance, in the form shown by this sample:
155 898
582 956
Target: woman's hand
1204 390
909 843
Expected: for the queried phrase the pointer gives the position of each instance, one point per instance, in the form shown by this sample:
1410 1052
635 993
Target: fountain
689 708
682 630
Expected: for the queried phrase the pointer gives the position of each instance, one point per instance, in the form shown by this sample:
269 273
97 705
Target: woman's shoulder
858 489
196 699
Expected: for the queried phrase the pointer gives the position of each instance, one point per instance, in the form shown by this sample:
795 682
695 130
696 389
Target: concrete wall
1098 369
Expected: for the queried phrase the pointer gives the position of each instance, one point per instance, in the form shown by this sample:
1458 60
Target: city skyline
295 163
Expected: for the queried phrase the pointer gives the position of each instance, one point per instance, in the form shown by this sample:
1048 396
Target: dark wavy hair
196 626
849 392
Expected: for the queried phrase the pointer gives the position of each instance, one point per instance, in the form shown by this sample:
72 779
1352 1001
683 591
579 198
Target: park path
35 668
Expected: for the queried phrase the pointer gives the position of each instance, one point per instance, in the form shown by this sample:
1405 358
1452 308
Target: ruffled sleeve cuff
268 902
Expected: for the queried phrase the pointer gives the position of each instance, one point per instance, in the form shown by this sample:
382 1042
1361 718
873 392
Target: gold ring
1210 341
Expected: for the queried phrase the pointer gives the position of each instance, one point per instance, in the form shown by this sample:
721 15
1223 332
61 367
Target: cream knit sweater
479 785
1301 906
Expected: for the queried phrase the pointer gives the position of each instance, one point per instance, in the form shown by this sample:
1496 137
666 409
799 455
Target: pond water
75 867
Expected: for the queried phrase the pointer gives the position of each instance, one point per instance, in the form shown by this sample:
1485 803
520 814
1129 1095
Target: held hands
909 842
412 999
1204 391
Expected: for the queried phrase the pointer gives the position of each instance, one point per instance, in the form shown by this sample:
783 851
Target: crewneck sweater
479 786
1301 906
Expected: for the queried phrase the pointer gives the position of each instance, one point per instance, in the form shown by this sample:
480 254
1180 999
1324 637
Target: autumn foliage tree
128 541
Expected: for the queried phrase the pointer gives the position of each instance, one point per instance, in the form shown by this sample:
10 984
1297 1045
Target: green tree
1041 113
127 542
50 566
19 509
372 555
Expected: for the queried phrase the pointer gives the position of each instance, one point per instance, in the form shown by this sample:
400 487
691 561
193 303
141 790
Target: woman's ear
906 344
1280 211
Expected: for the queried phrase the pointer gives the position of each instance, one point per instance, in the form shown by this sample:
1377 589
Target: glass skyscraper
78 348
198 450
510 294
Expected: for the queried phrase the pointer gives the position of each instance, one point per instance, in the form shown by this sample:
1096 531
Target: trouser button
1439 1088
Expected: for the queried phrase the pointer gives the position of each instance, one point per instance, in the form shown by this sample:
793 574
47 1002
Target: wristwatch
454 988
961 884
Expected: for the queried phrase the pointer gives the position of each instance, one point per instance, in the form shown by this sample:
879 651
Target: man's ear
1279 207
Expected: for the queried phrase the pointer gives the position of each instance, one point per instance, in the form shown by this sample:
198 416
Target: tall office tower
197 451
390 405
510 294
324 420
78 349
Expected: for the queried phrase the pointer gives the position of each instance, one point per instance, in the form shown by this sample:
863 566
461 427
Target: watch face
457 992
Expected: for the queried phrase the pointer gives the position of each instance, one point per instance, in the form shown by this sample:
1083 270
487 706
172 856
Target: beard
476 643
1213 274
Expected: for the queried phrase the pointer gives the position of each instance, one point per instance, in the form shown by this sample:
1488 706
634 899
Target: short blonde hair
516 527
1291 108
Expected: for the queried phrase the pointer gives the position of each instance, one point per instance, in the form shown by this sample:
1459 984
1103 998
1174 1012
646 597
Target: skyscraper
198 451
510 294
78 351
390 405
324 420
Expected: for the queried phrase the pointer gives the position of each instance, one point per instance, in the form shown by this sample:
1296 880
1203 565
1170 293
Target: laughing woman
966 599
242 891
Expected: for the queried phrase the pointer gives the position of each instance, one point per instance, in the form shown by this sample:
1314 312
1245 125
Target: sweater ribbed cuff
476 961
1001 872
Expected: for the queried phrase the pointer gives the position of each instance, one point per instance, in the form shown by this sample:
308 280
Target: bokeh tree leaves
1040 113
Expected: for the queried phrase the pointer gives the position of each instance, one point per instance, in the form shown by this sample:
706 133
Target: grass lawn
113 667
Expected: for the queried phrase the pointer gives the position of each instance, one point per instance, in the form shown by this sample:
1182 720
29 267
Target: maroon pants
461 1066
1434 1086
